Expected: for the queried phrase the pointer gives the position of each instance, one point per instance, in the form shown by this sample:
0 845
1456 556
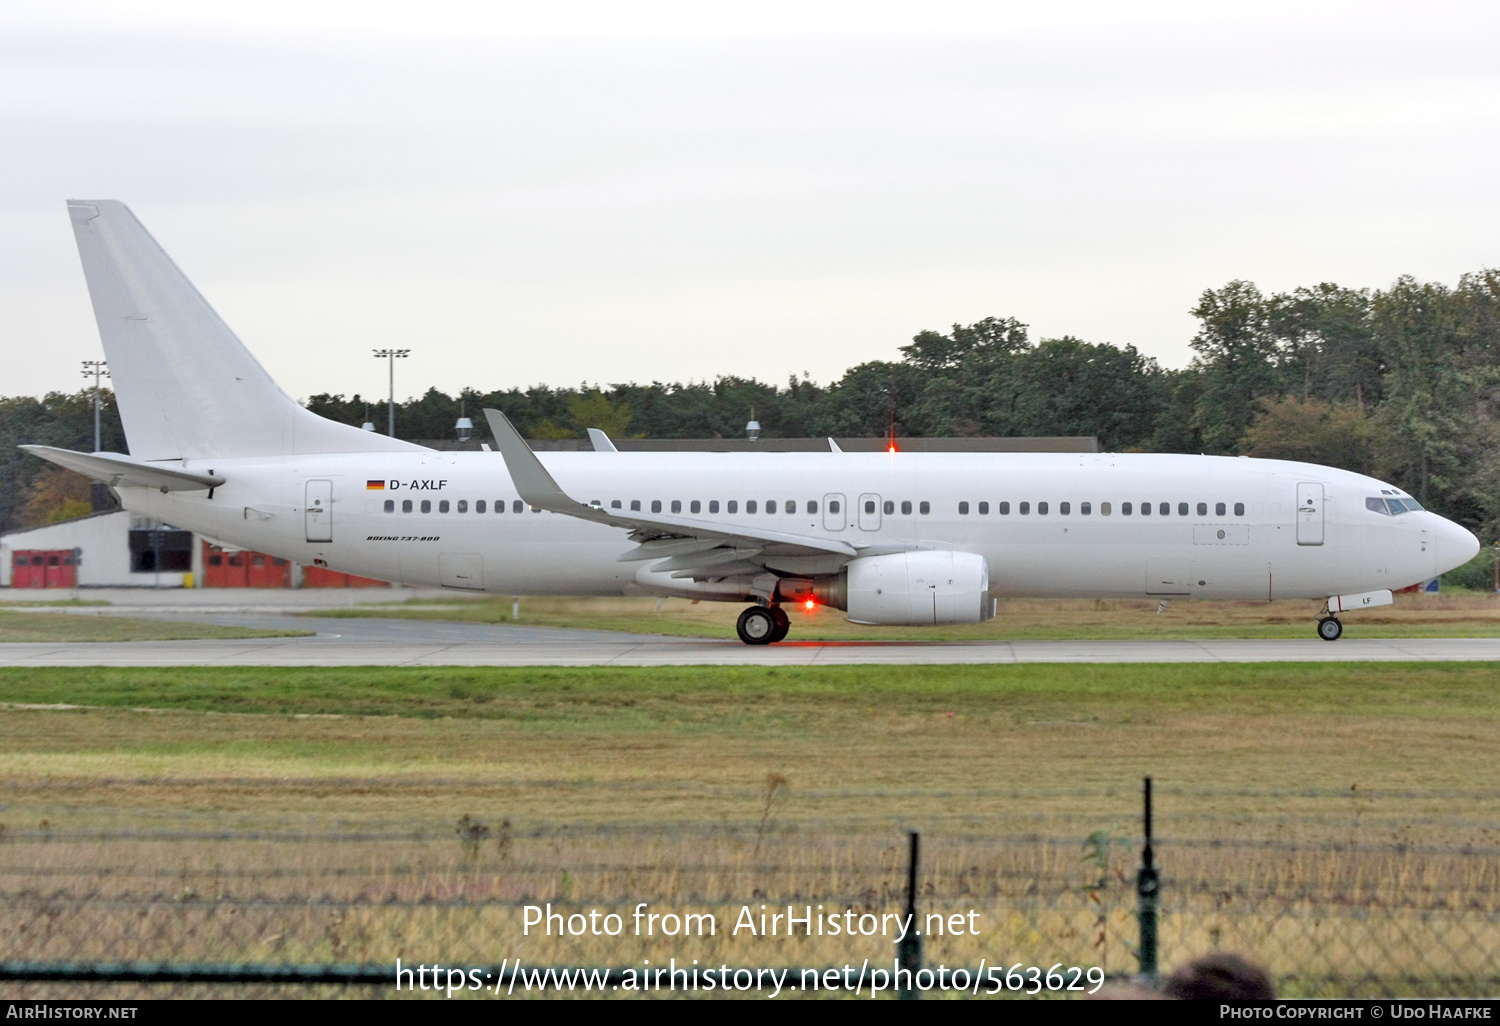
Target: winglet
536 486
601 441
832 445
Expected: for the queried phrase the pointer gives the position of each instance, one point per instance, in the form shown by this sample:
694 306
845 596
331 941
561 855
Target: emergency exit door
319 511
1309 513
833 513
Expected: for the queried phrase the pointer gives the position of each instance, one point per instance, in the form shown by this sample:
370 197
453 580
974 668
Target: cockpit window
1391 507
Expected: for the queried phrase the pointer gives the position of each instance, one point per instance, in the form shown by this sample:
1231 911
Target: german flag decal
374 486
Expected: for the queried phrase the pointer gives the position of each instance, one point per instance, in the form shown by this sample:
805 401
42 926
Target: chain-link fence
1332 905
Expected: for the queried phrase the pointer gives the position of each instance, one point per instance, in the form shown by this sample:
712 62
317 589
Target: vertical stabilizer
187 388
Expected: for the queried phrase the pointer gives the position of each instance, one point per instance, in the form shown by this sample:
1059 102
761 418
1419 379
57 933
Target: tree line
1401 382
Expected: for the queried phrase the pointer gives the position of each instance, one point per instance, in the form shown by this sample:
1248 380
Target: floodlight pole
391 355
96 369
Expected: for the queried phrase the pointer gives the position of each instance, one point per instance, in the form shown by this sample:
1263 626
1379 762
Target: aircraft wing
115 469
700 549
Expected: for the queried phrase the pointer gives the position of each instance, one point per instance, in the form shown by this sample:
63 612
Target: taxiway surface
394 642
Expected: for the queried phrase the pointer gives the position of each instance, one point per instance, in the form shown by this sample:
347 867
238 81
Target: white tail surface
187 388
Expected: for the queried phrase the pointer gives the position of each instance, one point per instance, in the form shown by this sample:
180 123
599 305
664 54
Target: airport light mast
96 369
391 355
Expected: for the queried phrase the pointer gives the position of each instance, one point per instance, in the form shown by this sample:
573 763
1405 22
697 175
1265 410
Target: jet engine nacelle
921 587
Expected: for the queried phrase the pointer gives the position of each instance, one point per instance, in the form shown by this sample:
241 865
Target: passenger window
406 505
713 505
481 506
1165 508
1025 509
499 505
1104 509
426 505
390 505
676 505
695 506
732 506
984 509
869 505
1065 508
1239 509
535 509
1219 510
443 506
924 507
1145 509
1125 509
812 506
791 506
963 509
656 505
463 505
1203 509
905 507
1182 509
833 505
1003 509
890 507
770 505
635 505
750 506
1085 508
518 506
614 504
1041 509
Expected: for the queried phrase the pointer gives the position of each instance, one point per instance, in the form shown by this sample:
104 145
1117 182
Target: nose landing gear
761 625
1330 629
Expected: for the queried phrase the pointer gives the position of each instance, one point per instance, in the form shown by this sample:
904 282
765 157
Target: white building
103 550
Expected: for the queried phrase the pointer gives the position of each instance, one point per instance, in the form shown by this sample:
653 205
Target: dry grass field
1337 822
1457 614
55 626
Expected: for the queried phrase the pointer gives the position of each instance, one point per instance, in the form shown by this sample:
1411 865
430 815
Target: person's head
1220 977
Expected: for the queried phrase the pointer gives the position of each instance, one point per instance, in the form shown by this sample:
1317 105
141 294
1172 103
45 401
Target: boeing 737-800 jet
891 538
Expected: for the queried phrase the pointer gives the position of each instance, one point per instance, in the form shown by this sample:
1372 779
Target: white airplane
891 538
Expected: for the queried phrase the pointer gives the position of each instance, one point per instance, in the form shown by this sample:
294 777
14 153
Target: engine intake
928 586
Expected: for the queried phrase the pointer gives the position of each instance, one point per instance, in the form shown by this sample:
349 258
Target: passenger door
319 511
833 513
869 512
1309 513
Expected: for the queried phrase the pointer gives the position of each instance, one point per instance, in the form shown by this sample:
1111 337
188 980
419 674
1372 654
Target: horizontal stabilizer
122 471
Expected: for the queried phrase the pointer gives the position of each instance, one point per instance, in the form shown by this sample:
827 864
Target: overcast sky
604 192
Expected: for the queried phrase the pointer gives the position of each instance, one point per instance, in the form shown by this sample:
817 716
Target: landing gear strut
761 625
1329 628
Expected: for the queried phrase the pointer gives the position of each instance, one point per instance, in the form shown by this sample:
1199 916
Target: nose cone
1452 545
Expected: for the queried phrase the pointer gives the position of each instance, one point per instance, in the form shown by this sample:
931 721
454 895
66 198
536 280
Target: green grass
62 627
615 698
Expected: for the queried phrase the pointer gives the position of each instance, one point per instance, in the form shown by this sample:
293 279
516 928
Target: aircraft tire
1330 629
756 626
783 623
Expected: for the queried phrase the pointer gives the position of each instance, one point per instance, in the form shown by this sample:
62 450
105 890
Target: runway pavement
378 642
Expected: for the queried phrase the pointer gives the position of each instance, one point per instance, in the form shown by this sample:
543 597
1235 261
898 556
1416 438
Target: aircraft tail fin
186 387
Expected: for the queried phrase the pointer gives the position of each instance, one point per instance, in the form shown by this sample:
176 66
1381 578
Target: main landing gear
1330 629
761 625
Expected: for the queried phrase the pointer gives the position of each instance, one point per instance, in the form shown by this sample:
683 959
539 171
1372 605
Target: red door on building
44 568
243 569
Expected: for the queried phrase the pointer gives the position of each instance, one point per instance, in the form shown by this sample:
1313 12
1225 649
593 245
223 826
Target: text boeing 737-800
891 538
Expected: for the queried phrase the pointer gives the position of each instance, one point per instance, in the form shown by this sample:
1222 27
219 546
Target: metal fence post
1147 892
909 951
